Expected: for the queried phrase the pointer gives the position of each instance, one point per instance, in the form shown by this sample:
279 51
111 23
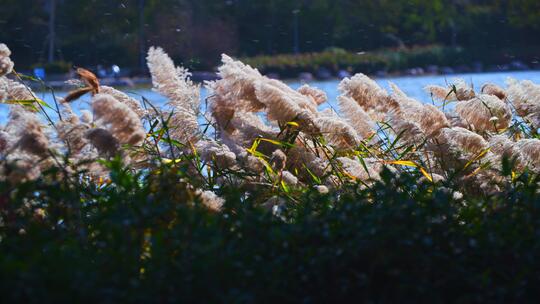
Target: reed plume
356 117
281 106
20 167
485 113
338 132
322 189
354 168
369 95
270 137
6 65
235 91
503 146
6 141
122 97
104 141
26 146
238 84
16 91
249 126
210 200
456 91
495 90
27 128
72 130
414 119
300 157
119 119
318 96
461 143
525 96
184 96
212 151
530 151
289 178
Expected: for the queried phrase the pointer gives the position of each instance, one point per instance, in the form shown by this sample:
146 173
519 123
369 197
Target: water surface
411 85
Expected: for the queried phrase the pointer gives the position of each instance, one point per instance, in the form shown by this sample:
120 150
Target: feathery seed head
495 90
338 132
4 50
6 65
28 131
461 143
425 117
211 151
184 96
458 90
356 116
358 171
479 111
210 200
525 96
15 90
122 97
369 95
319 97
530 151
4 141
322 189
289 178
278 160
106 144
122 122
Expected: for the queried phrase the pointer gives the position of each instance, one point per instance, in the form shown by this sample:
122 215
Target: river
411 85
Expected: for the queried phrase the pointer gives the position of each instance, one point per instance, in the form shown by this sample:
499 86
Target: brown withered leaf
90 79
76 94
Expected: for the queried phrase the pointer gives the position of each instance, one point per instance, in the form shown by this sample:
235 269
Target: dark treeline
90 32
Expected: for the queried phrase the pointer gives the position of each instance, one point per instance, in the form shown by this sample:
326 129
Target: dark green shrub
145 238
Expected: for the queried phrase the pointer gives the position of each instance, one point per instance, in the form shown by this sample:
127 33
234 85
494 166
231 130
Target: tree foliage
197 31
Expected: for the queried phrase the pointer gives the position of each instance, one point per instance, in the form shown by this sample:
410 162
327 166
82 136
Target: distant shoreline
200 77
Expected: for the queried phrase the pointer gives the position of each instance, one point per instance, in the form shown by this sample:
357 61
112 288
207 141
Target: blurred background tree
91 32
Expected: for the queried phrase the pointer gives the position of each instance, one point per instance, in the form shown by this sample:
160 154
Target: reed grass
145 186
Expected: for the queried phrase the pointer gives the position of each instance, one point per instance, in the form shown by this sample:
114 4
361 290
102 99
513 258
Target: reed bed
259 133
125 200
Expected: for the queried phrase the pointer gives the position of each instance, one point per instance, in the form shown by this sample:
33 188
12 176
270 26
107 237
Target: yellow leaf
275 142
193 148
284 186
293 123
349 175
407 163
167 161
480 155
254 146
475 172
410 163
426 174
267 166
